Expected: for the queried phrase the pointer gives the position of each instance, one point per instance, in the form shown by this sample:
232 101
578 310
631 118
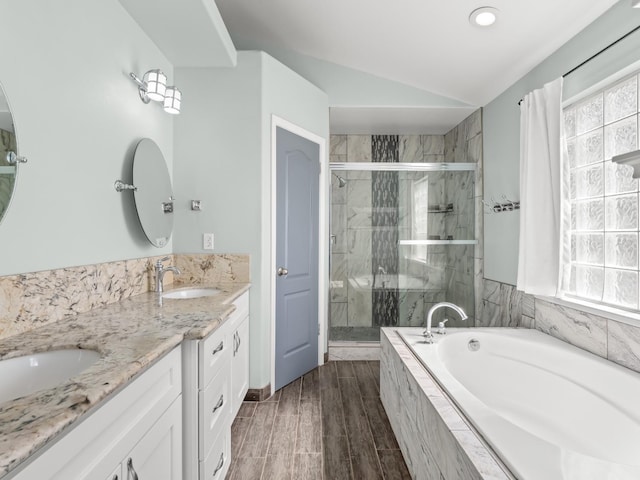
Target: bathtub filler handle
428 336
441 328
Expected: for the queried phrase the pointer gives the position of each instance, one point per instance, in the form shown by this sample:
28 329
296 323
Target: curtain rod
597 54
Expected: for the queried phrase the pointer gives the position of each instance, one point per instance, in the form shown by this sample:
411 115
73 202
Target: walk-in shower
402 239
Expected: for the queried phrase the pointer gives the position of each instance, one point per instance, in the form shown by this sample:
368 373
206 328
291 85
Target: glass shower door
402 240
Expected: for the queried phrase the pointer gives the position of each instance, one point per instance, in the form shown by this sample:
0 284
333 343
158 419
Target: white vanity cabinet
239 329
139 428
215 381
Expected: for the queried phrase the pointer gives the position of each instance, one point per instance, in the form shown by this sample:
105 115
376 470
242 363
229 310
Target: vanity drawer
214 410
215 350
216 466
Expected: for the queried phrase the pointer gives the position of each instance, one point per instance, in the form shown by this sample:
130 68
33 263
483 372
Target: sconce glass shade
172 99
156 84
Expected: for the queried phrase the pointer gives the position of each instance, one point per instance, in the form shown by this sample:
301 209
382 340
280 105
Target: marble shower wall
384 229
30 300
352 224
464 267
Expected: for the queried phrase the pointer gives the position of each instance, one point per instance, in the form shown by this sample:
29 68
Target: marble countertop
130 335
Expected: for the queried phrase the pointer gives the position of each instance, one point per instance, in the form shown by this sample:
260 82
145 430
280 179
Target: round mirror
153 194
8 146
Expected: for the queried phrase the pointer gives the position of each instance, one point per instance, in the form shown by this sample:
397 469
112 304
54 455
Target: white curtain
540 190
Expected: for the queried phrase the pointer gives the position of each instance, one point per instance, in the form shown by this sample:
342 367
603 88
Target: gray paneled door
297 218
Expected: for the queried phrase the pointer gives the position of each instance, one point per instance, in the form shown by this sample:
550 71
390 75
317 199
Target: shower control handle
282 272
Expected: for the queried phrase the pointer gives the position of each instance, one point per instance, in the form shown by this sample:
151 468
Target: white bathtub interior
548 409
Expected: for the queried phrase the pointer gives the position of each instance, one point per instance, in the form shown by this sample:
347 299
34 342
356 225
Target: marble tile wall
457 270
385 190
501 305
504 306
30 300
464 264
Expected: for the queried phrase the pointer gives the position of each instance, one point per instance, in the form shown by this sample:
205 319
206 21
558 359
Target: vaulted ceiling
427 44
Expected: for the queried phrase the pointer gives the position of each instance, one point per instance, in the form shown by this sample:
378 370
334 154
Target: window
603 212
420 217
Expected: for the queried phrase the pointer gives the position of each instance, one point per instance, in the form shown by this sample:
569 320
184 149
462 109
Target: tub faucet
160 272
428 336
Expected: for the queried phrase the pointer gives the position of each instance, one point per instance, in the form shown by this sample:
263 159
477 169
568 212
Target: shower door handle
282 272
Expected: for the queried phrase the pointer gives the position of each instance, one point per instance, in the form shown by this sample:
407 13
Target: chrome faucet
428 336
160 272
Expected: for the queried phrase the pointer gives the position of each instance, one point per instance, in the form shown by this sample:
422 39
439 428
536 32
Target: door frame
323 251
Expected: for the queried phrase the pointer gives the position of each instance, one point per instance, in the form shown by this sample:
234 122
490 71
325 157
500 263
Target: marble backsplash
29 300
504 306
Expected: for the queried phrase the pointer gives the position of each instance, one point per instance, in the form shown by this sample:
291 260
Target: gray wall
77 117
223 143
501 123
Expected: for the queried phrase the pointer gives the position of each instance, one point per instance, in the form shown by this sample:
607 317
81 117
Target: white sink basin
21 376
185 293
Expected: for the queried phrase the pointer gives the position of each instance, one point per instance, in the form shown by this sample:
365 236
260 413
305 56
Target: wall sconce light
172 97
153 86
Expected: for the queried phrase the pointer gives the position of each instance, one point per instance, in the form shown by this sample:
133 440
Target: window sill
610 313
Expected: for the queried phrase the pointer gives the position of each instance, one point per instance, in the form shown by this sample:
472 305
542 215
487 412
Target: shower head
341 181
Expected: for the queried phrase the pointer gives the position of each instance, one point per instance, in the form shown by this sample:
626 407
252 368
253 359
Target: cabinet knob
283 272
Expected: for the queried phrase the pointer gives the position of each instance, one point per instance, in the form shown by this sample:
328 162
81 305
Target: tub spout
428 336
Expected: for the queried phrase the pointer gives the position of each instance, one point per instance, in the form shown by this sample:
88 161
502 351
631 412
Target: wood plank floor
328 425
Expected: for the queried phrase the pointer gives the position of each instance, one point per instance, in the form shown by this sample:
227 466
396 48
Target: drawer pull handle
132 471
220 464
218 348
219 404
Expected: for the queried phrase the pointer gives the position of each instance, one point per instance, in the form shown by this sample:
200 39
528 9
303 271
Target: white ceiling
428 44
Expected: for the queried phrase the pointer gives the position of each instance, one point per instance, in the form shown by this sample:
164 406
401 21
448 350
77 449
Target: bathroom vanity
158 404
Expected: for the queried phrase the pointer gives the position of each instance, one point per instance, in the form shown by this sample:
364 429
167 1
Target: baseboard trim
258 394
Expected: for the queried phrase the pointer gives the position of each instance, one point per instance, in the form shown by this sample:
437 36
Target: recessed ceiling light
483 16
635 3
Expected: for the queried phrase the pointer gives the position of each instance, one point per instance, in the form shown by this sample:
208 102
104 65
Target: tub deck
541 407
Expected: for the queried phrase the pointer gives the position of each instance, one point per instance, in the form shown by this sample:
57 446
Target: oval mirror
8 145
153 194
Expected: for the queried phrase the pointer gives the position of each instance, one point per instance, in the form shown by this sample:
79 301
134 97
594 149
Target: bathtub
547 409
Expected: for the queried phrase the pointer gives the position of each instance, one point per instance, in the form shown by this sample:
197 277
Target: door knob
282 272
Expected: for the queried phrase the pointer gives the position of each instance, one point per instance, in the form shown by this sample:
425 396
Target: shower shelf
437 242
432 210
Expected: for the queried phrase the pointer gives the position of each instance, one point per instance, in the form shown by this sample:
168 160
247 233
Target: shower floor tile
328 425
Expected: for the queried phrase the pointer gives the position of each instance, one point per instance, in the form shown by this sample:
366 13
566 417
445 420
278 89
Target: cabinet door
240 365
158 455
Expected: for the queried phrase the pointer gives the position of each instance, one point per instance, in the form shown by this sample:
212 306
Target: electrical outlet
207 241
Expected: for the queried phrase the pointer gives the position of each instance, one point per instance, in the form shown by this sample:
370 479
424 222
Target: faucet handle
160 260
441 327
